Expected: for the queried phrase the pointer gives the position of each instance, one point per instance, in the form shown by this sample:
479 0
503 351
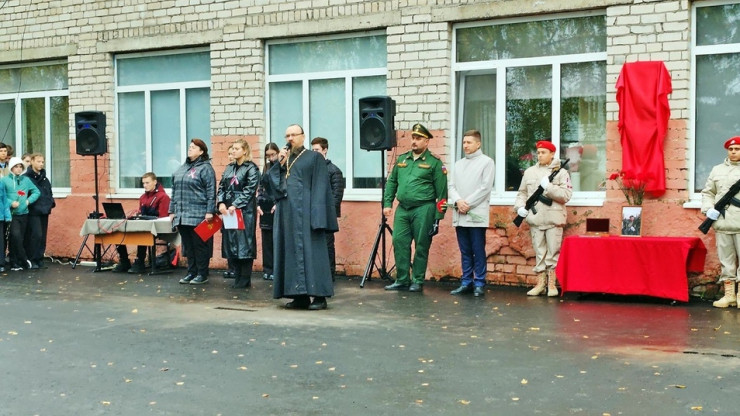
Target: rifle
721 206
537 195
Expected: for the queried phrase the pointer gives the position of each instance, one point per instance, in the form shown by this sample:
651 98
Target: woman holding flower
546 225
468 190
727 226
20 192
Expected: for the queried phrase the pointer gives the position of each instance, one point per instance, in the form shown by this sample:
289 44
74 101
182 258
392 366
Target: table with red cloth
651 266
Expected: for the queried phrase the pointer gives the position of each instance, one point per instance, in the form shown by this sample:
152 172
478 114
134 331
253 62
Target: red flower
613 176
21 193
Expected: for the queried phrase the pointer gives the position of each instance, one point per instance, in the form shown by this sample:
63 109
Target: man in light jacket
545 226
469 190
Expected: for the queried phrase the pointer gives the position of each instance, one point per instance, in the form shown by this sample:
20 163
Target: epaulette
435 155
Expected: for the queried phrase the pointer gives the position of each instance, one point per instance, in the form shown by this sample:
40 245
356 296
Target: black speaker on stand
90 137
377 132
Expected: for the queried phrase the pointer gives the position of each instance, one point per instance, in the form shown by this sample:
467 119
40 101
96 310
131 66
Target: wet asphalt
74 342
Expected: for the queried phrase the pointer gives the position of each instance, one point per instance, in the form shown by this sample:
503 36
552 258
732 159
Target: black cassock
304 213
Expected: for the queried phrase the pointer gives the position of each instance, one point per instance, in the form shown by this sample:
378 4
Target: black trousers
332 254
3 234
18 227
242 272
35 239
267 251
197 251
140 252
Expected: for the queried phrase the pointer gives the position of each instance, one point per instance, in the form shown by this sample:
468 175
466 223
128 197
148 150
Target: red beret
731 141
542 144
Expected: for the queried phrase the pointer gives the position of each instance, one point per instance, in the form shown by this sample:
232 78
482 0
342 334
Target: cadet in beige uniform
546 226
727 226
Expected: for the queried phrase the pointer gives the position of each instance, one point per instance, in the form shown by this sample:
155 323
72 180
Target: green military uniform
421 189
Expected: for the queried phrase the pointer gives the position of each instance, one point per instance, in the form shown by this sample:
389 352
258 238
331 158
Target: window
34 115
520 82
317 84
716 63
163 101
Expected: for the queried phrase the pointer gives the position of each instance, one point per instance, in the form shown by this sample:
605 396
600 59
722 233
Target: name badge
424 166
401 164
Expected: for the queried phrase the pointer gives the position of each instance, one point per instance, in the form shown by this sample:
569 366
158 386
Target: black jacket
336 180
45 203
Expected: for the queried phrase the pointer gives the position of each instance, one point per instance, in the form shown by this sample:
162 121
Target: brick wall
419 40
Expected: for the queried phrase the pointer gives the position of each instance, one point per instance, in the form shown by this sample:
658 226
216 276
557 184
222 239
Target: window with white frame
34 115
162 102
716 60
317 84
518 82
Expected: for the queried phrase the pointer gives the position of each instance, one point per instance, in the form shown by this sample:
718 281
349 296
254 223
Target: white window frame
499 67
350 193
59 192
147 89
699 50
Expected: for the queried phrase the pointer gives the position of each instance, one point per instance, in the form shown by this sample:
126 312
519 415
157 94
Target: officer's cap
422 131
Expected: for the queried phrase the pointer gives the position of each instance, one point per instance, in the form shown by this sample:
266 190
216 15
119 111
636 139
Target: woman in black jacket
266 209
238 191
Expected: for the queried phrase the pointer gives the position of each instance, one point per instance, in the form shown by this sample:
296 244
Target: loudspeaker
90 133
377 130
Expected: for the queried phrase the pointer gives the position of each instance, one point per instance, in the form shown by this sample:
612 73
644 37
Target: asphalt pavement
74 342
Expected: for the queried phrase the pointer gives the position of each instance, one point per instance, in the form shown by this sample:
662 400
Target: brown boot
552 289
729 299
540 287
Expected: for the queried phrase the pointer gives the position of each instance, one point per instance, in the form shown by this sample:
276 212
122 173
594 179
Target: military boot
729 299
540 287
552 289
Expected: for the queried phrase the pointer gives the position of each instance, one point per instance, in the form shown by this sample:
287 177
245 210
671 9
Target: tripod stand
382 269
97 249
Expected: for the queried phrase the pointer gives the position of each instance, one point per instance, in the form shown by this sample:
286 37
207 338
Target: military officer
419 182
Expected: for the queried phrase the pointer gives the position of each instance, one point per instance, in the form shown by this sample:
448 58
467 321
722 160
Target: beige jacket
560 191
720 179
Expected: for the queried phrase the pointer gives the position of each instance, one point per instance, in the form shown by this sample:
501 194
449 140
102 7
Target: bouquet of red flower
21 193
633 188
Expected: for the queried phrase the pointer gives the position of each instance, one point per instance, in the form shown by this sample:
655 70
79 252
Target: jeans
472 242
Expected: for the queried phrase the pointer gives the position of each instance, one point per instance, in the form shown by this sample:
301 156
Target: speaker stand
379 242
97 248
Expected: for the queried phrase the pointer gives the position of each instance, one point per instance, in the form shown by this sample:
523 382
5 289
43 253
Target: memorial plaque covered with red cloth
642 94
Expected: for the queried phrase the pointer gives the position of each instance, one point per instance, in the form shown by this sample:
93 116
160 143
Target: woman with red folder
237 196
193 202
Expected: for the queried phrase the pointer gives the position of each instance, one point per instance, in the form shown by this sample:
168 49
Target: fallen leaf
265 395
696 408
105 403
180 383
678 386
466 402
516 399
135 311
242 368
524 381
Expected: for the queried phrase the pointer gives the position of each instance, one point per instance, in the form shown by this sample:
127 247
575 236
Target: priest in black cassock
305 212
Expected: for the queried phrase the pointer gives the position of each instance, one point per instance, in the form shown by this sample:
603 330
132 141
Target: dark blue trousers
472 242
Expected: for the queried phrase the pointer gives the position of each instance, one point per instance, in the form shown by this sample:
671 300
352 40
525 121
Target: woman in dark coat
266 209
238 191
194 200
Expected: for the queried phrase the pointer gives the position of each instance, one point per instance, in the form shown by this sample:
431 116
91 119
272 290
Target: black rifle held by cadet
721 206
537 195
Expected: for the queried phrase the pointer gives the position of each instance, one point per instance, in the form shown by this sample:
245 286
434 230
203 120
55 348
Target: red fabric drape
642 94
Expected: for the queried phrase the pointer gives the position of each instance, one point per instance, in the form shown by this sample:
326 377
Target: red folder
206 230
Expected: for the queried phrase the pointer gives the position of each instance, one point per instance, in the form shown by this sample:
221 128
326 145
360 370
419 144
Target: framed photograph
632 221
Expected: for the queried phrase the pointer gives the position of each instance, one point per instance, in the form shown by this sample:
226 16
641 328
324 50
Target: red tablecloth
652 266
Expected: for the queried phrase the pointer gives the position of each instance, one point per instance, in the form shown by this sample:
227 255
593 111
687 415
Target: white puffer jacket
720 179
560 191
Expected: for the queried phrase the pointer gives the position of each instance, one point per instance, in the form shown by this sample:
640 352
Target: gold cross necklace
290 165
